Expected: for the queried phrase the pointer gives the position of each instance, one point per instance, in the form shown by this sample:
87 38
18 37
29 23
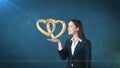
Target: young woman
77 49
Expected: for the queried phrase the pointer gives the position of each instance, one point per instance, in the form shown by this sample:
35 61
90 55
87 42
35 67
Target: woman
77 49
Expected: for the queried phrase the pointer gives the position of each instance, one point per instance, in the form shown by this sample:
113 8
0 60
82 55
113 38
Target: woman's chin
69 33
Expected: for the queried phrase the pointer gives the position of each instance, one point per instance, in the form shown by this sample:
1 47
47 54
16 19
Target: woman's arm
58 42
59 46
62 51
88 54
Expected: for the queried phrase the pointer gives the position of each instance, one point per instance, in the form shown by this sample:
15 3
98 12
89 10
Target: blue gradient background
23 46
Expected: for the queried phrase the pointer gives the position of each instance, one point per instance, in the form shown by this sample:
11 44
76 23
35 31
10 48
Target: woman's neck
75 36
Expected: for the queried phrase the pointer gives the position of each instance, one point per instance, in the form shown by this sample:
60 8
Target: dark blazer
82 54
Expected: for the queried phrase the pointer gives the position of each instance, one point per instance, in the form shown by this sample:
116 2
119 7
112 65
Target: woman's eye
70 26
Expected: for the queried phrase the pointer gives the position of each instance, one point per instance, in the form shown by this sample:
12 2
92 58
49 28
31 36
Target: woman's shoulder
68 40
87 41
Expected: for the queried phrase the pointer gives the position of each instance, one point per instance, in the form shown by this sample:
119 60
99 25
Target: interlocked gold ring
49 32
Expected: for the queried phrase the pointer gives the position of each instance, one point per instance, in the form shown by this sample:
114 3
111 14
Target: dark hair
78 24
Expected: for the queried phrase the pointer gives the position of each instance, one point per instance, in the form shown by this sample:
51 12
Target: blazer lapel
78 46
70 44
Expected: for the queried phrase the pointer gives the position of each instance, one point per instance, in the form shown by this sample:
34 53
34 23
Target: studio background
23 46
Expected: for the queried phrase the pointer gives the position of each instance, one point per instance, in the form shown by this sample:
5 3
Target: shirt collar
77 39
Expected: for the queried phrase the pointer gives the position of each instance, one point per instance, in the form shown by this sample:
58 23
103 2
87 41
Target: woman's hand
54 40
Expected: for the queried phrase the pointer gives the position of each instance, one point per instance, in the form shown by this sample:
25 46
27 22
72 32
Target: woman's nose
67 28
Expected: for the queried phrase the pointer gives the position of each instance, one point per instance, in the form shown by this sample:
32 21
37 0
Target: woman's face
72 29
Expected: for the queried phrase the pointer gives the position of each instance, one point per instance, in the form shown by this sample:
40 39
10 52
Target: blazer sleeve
88 54
63 53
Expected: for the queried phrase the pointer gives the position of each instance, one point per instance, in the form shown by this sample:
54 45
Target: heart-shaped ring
49 32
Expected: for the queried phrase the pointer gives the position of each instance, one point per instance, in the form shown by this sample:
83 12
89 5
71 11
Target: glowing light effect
7 5
3 3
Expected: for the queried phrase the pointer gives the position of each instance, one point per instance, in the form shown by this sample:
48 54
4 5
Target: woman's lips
69 31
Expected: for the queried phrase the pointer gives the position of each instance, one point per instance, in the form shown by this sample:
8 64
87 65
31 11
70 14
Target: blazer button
72 65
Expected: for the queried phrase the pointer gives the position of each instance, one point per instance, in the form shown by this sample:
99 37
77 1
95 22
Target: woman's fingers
49 39
53 40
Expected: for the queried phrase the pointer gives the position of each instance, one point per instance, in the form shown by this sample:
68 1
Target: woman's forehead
70 23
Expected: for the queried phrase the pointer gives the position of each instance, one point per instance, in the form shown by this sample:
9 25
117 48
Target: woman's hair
78 24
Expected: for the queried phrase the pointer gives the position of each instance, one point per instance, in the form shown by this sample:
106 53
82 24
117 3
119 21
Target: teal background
23 46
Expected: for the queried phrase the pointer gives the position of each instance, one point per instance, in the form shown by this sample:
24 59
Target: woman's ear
77 28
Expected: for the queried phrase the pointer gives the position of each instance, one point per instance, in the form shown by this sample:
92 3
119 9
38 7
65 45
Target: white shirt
74 44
